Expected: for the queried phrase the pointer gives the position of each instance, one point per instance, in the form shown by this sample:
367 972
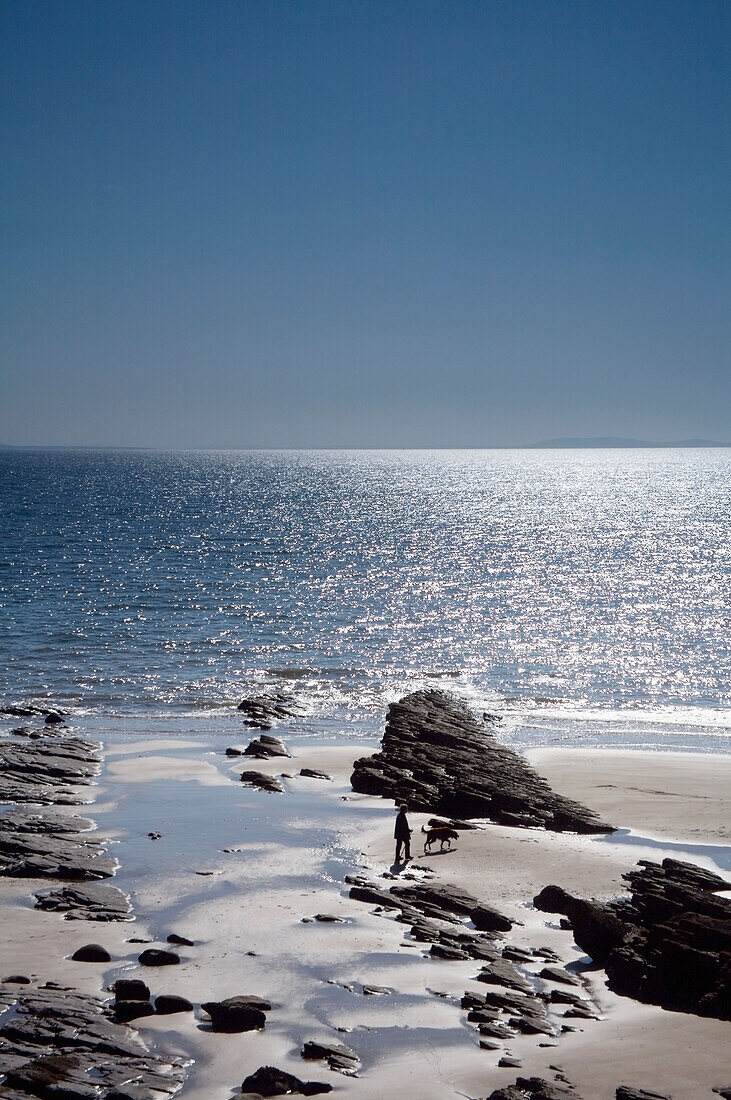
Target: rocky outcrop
90 902
438 758
59 1043
265 710
47 770
49 845
668 944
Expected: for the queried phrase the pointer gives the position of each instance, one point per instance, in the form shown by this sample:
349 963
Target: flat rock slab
59 1043
35 853
262 782
47 769
438 758
87 902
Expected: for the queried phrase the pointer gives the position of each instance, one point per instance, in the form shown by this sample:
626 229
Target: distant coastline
619 441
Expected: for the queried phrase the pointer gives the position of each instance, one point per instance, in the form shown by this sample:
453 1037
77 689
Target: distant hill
619 441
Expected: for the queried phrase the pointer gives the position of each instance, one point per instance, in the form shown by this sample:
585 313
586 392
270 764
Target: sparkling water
583 595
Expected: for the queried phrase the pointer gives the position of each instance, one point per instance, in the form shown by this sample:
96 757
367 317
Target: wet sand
242 873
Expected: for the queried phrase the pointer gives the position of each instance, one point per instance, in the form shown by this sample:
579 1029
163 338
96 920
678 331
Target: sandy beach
243 874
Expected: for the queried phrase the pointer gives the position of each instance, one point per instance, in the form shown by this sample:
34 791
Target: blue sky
364 223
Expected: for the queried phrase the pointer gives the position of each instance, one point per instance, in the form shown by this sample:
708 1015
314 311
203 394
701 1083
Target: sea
583 596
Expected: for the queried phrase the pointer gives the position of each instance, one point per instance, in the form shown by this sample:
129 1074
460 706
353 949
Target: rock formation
262 711
56 1042
438 758
668 944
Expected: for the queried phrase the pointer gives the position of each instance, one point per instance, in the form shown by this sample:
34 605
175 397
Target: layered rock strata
265 710
56 1042
438 758
668 944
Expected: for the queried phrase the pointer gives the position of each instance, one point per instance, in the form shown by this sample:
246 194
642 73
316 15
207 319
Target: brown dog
442 833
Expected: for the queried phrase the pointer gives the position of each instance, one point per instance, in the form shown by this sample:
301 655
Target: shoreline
271 862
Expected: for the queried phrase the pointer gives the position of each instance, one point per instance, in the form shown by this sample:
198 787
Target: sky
363 223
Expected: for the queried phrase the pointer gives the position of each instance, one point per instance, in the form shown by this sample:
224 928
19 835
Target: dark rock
47 844
88 902
486 919
597 928
180 940
270 1081
338 1057
375 991
60 1044
502 972
168 1004
669 944
16 979
262 711
264 782
313 773
328 918
266 746
155 956
438 758
509 1062
124 1011
558 974
626 1093
91 952
53 718
536 1089
242 1013
47 771
131 989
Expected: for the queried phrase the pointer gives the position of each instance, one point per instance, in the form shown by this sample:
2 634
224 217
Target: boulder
156 956
91 952
168 1004
235 1014
266 746
438 758
270 1081
130 989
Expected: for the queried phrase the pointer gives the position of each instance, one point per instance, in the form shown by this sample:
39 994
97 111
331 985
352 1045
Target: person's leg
407 848
398 851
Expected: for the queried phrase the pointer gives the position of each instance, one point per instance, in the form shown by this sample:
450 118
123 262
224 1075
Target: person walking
402 834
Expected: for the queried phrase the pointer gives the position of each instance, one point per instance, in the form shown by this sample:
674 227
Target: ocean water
582 595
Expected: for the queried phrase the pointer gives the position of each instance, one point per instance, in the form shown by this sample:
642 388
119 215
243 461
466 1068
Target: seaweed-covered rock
438 758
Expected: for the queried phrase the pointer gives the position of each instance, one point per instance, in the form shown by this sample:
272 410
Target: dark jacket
402 830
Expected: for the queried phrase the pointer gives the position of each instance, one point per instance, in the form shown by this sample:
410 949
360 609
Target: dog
443 833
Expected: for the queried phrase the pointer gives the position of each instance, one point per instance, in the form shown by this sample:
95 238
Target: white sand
286 861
